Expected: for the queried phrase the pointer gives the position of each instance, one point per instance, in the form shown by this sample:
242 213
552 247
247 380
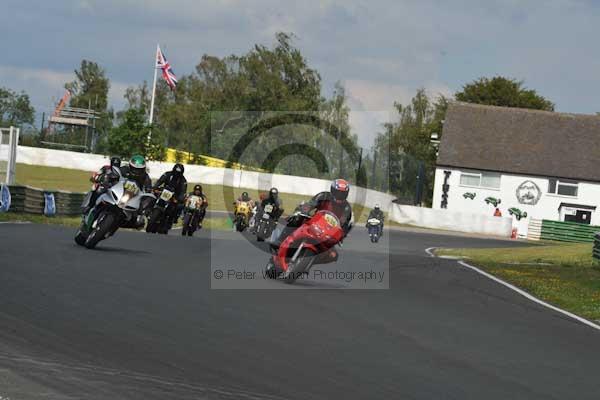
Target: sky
382 51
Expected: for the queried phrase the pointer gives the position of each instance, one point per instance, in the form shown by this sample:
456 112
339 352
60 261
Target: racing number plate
269 208
331 220
166 195
194 202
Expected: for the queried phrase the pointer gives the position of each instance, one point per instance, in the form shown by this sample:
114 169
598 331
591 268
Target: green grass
52 178
40 219
565 275
218 223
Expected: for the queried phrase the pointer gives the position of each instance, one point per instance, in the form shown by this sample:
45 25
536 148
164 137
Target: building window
563 187
480 179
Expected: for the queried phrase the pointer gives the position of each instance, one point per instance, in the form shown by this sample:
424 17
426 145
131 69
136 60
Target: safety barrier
596 249
31 200
534 232
567 231
452 220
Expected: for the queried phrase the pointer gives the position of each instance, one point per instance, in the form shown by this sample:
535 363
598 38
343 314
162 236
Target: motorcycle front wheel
101 231
153 220
299 267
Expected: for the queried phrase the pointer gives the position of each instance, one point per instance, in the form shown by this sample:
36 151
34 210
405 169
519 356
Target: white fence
417 216
453 221
203 174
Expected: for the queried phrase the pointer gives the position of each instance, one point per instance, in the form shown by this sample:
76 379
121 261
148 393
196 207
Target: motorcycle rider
335 200
175 180
273 199
198 192
377 214
105 177
136 171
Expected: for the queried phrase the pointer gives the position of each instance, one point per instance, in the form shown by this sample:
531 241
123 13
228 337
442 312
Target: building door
581 216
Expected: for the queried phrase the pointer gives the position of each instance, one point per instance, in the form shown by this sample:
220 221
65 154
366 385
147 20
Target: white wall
203 174
452 220
546 208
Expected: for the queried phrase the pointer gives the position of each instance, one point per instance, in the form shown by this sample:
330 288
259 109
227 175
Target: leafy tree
406 144
505 92
90 87
131 137
15 108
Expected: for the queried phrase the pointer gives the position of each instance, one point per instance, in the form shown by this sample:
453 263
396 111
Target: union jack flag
167 71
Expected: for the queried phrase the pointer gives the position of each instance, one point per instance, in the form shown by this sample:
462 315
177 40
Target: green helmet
137 165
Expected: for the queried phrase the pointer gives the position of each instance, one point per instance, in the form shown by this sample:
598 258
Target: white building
531 164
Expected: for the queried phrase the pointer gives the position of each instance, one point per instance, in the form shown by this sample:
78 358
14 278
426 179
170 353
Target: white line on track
523 293
15 222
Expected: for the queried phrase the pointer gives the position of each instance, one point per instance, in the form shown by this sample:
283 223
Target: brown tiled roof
521 141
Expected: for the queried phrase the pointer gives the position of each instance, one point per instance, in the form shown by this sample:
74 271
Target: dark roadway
137 319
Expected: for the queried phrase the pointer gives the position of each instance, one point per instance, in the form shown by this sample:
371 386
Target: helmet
377 207
273 193
245 196
198 188
115 162
137 165
339 190
178 169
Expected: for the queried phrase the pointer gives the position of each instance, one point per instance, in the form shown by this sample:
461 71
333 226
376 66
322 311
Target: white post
11 166
153 93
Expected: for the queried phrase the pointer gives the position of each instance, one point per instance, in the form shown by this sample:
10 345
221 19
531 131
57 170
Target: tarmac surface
137 319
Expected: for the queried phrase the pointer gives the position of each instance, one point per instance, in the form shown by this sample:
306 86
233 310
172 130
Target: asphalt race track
137 319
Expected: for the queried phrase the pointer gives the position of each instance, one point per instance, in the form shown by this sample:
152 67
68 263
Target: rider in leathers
105 177
174 180
272 198
377 214
334 201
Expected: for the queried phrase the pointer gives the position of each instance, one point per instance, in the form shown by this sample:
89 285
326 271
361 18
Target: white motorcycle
373 225
117 207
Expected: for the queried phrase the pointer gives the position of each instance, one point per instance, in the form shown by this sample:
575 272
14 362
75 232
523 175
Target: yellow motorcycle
241 215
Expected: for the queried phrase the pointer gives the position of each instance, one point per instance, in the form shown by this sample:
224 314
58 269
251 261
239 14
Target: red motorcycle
312 243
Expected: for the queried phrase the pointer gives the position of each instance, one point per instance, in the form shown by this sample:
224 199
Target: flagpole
151 119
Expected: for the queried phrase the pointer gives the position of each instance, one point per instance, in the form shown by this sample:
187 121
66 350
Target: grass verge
565 275
218 223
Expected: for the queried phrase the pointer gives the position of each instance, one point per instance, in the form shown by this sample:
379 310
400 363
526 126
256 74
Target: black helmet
245 196
377 207
339 190
198 188
178 168
137 165
273 193
115 162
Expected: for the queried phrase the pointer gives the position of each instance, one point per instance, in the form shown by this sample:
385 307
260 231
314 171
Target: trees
130 136
405 145
90 87
505 92
15 108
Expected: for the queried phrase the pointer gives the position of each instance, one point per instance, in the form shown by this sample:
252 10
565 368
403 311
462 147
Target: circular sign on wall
529 193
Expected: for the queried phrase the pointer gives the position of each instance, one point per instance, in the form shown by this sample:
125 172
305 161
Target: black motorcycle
193 214
267 221
164 212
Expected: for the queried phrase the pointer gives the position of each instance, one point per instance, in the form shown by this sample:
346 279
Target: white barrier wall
203 174
451 220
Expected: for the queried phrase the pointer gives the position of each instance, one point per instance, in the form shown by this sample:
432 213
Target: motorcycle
192 214
373 225
241 215
252 221
267 222
163 213
312 243
117 207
